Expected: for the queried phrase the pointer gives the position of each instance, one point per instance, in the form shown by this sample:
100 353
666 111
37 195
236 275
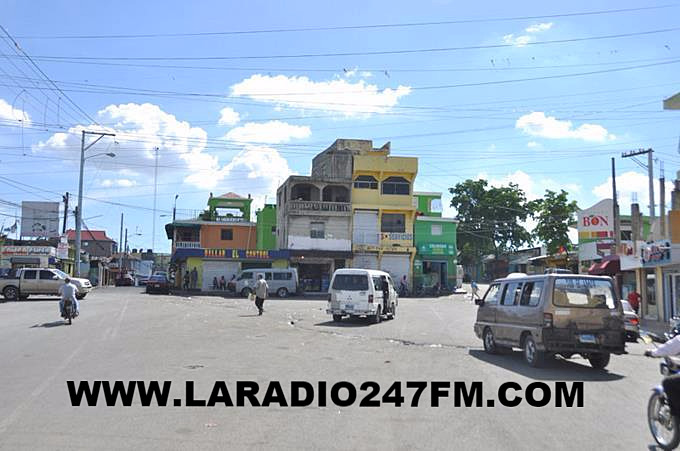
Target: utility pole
79 212
155 189
650 174
617 225
174 208
65 198
120 237
662 203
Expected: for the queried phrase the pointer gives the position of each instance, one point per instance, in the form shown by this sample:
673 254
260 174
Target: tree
554 214
489 219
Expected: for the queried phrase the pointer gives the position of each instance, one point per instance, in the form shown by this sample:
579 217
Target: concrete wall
337 233
245 236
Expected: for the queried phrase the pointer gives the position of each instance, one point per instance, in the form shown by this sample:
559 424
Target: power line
352 27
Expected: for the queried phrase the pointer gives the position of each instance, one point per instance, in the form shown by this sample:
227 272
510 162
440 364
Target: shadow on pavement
553 369
346 322
52 324
254 315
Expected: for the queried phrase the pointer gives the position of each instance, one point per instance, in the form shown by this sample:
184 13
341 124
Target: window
31 274
350 282
511 293
583 292
274 230
396 185
267 276
317 230
491 296
436 205
245 276
282 276
436 229
531 295
227 234
366 181
377 283
186 235
393 222
46 275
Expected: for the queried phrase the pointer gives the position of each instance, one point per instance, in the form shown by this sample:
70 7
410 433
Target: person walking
223 283
261 289
186 280
475 290
194 278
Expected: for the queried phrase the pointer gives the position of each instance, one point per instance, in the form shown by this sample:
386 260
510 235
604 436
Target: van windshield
350 282
583 292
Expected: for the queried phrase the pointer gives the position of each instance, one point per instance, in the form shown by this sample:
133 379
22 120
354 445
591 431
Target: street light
174 208
79 213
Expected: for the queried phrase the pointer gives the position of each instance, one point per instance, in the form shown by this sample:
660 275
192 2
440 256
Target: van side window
267 276
531 295
511 293
46 275
245 275
30 274
282 276
377 283
491 296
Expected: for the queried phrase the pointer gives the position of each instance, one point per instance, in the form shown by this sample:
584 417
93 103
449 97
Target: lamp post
174 208
79 212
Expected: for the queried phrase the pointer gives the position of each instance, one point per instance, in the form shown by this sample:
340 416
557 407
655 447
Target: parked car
124 280
42 281
553 314
631 322
362 292
142 280
282 281
158 284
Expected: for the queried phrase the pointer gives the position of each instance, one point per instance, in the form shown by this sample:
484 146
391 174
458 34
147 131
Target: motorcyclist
671 384
68 291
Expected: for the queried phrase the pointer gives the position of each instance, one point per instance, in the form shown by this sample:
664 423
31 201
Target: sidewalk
654 326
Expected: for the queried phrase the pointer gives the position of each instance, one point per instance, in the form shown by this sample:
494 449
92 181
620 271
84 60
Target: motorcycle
663 425
69 311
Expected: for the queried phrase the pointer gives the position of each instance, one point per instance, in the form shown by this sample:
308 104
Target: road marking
12 417
120 319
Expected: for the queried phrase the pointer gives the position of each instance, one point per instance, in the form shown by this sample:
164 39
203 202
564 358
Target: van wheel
245 292
10 293
282 292
489 341
599 361
532 355
378 316
337 318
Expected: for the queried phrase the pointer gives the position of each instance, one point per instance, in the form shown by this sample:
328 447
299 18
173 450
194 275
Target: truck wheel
10 293
282 292
599 361
489 341
337 318
377 317
532 355
245 292
81 296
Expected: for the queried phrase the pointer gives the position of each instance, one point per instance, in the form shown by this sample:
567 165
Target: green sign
436 249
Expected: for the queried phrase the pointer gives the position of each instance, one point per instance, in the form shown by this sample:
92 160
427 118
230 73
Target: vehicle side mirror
479 301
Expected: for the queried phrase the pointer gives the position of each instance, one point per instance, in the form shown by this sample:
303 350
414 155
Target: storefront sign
245 254
396 236
656 253
62 251
596 223
48 251
437 249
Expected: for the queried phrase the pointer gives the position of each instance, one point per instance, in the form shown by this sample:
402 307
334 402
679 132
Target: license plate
587 339
349 307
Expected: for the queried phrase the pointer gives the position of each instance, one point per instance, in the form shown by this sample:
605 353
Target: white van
282 281
362 292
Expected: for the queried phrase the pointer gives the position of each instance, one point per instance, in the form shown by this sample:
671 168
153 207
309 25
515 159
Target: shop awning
25 260
183 254
608 267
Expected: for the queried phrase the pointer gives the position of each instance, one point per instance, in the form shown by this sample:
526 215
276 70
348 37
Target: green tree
554 214
489 219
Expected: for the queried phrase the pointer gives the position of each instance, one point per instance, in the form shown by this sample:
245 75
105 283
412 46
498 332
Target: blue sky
242 111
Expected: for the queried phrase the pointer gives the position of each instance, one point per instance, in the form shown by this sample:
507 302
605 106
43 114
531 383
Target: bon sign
595 221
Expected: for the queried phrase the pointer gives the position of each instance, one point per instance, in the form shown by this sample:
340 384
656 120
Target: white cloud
340 96
518 41
272 132
228 116
124 183
538 124
537 28
628 183
12 114
533 145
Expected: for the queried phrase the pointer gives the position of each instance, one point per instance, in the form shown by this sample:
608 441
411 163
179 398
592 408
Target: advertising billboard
39 219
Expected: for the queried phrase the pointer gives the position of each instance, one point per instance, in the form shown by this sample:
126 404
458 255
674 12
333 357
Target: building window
227 234
436 205
274 230
186 235
436 229
366 182
396 185
317 230
393 223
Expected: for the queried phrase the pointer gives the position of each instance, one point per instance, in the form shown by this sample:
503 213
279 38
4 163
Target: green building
266 227
435 242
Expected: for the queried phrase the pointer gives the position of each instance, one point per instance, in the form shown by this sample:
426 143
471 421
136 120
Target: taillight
370 299
547 320
634 321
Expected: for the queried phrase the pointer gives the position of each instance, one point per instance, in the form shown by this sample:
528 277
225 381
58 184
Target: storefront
315 267
27 256
435 265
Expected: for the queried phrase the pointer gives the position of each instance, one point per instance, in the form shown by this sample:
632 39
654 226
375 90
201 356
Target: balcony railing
188 244
316 205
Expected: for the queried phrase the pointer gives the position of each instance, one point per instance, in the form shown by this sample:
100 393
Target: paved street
123 334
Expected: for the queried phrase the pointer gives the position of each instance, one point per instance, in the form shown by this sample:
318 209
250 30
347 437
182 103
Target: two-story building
435 241
383 210
315 217
94 242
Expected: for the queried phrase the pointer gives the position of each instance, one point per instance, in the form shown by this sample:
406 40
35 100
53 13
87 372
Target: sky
237 96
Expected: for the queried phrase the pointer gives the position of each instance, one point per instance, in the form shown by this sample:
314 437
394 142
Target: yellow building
383 210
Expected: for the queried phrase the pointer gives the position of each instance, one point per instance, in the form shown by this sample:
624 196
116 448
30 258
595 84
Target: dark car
125 280
158 284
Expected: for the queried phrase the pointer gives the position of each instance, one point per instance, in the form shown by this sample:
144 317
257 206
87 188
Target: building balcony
187 244
305 207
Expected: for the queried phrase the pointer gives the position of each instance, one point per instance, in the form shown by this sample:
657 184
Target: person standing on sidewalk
261 289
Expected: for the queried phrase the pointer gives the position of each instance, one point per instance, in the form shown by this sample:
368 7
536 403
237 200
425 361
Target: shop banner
437 249
48 251
246 254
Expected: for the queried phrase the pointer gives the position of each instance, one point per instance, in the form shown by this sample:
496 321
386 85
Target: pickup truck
41 281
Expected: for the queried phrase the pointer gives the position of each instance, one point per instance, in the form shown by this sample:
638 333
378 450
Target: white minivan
282 281
362 292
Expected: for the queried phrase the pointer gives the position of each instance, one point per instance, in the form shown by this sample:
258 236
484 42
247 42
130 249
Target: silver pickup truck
40 281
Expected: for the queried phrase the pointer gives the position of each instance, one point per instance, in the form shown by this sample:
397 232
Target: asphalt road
123 334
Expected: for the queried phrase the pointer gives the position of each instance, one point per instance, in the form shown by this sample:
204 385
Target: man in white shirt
261 289
68 291
671 384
